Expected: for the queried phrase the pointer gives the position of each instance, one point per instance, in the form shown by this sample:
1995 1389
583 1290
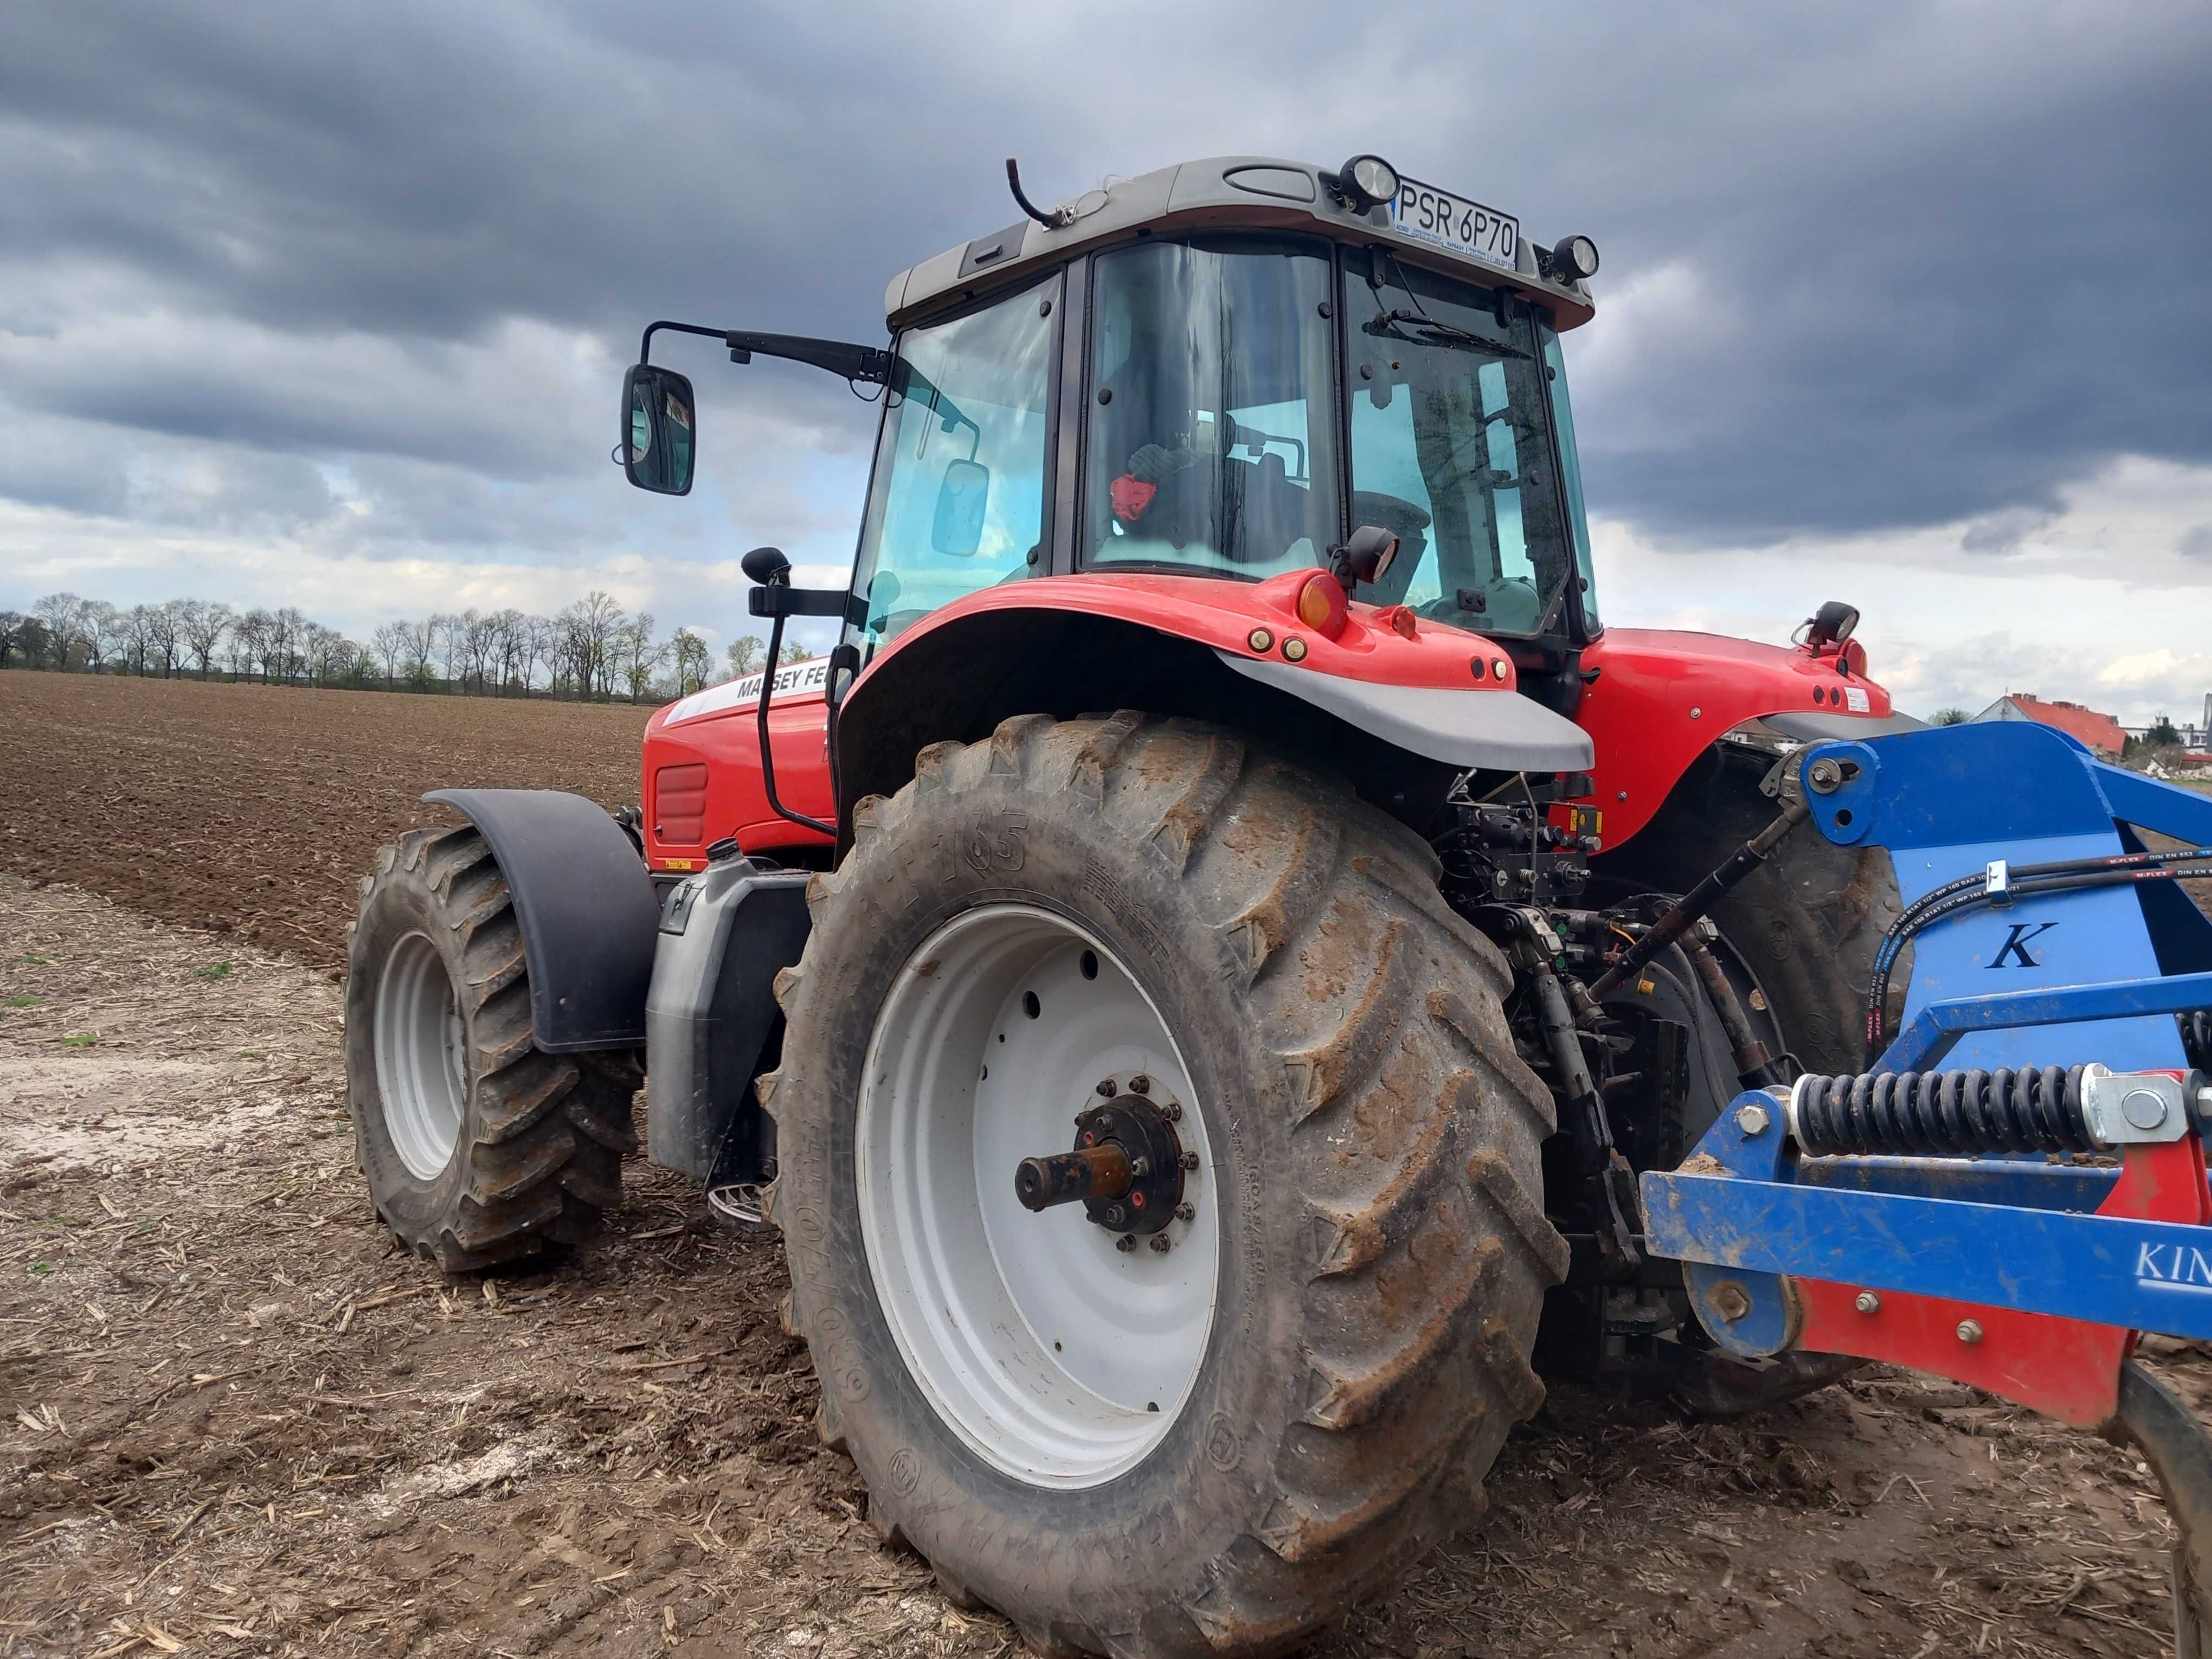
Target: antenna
1051 221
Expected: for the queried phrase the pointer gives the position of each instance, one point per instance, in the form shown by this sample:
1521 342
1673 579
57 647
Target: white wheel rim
1058 1357
422 1056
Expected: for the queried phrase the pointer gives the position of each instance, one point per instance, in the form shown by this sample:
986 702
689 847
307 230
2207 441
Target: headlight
1574 259
1366 181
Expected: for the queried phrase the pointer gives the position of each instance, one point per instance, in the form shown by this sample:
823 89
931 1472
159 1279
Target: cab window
1450 449
1211 439
959 502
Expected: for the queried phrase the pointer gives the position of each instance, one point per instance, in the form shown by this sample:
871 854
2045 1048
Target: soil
253 809
235 1420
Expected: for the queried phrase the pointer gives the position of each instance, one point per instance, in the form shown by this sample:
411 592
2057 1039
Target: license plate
1429 215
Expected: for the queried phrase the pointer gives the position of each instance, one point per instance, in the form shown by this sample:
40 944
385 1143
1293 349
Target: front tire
1328 1356
478 1148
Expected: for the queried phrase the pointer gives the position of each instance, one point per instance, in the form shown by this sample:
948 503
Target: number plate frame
1458 224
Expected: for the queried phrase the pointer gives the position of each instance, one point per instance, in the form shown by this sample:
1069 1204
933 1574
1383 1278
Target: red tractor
1193 971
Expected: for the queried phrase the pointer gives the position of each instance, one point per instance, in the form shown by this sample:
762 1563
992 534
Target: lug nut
1970 1331
1160 1245
1105 1090
1186 1212
1174 1112
1868 1303
1190 1160
1127 1243
1729 1301
1116 1215
1140 1085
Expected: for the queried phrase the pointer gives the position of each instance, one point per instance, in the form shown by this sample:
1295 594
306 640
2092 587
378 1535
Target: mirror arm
645 346
852 363
849 362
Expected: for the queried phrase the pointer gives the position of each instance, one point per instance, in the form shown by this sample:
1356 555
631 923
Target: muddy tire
1377 1255
478 1148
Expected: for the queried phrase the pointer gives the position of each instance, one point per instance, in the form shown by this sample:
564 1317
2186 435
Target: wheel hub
1126 1167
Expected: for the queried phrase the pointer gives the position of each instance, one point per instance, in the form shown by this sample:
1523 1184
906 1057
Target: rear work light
1321 604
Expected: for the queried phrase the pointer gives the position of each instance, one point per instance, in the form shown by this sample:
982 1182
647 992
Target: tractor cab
1222 370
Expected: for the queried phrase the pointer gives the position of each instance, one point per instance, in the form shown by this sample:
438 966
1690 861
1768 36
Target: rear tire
478 1148
1380 1250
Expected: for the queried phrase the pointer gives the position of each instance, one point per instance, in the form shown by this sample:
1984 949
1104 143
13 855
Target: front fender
585 909
1657 700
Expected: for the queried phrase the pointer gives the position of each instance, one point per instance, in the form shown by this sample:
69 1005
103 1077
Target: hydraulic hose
1974 892
1691 909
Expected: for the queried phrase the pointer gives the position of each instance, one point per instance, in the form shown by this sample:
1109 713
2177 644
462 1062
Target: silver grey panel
1498 730
1828 728
1252 192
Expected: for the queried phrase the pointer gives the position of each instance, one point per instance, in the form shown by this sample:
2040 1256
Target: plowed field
253 810
234 1421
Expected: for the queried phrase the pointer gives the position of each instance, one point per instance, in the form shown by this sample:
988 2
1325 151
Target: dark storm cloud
1864 268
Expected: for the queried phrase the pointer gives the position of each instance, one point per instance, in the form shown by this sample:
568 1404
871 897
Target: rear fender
1399 716
586 907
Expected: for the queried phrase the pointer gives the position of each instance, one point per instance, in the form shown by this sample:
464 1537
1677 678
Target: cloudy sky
328 305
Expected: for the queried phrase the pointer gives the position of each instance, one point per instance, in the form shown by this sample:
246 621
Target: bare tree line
591 649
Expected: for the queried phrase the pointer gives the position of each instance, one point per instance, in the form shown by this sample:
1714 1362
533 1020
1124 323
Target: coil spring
2034 1110
2197 1037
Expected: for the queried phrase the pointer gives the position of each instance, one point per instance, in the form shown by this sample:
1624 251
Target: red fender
1661 699
1657 701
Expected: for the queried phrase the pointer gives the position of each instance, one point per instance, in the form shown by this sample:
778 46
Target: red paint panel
2068 1369
734 802
1224 614
1661 699
680 803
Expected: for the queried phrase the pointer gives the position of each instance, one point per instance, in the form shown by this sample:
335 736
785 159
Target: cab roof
1224 192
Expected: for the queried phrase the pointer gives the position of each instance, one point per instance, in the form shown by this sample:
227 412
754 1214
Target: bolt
1868 1303
2143 1107
1186 1212
1140 1085
1753 1120
1140 1167
1970 1331
1127 1243
1190 1160
1824 777
1105 1090
1729 1301
1160 1245
1116 1215
1174 1112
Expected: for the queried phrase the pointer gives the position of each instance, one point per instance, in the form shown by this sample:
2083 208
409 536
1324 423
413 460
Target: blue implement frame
1946 802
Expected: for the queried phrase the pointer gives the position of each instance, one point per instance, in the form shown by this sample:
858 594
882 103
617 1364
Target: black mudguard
711 1017
585 904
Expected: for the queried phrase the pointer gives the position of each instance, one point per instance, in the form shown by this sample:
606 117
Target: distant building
2100 732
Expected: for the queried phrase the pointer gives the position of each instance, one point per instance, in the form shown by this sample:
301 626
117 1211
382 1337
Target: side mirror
659 431
958 528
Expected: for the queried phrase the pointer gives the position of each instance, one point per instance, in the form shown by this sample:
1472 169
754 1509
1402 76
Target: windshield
958 502
1451 449
1212 444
